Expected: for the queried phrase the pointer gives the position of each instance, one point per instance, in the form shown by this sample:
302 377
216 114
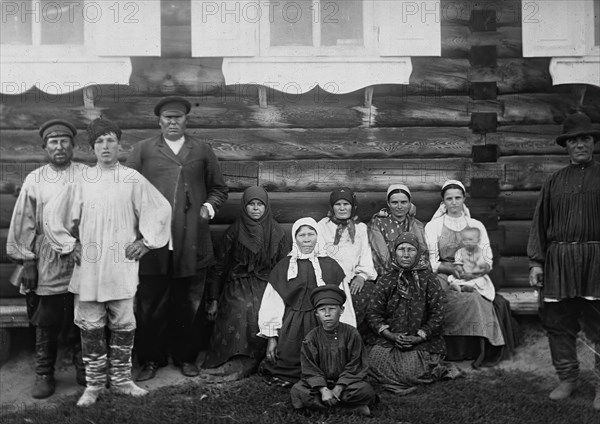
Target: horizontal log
529 140
7 290
516 271
7 204
518 205
428 109
513 173
278 143
251 144
446 76
238 175
458 39
522 301
516 234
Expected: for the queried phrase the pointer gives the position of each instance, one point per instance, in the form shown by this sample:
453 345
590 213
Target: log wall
480 113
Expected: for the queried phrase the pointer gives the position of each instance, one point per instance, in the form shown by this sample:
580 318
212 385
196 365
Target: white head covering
400 187
296 253
442 209
348 316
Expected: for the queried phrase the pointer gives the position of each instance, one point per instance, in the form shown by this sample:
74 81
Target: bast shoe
129 388
148 371
90 396
563 390
44 386
362 410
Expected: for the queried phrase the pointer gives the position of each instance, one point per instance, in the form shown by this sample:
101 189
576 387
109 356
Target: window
341 44
62 46
567 31
317 27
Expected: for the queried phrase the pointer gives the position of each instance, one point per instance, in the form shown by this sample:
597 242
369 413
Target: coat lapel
165 150
186 149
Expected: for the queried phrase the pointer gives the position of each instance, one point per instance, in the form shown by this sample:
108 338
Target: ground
16 375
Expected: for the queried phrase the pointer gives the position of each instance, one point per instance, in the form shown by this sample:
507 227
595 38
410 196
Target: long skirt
400 370
475 328
296 325
236 326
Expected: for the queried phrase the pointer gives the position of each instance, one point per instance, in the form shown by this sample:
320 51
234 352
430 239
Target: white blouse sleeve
432 234
365 267
270 314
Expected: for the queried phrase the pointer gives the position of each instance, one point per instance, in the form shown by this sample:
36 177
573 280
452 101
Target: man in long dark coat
185 170
564 253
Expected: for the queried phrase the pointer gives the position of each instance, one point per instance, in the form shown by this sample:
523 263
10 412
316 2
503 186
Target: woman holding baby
478 324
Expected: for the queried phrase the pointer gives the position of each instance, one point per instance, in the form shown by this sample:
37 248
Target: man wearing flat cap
564 253
185 170
46 274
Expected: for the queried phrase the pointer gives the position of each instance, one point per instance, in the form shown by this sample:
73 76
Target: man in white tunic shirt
110 218
45 277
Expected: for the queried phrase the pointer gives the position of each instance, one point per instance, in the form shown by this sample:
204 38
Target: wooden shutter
554 28
124 28
408 28
225 28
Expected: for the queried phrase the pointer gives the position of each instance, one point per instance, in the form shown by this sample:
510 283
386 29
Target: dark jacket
188 180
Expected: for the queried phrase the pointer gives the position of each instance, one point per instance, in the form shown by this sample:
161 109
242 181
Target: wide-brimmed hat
575 125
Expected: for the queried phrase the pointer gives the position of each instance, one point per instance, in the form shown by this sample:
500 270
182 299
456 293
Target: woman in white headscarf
286 314
475 327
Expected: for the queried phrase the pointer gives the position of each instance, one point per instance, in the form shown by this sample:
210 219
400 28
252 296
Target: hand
272 350
408 341
136 250
456 287
204 214
448 269
328 397
337 391
536 276
459 272
212 310
357 284
77 253
29 278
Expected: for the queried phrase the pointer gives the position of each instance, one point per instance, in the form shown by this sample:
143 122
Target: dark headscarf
346 194
417 265
260 237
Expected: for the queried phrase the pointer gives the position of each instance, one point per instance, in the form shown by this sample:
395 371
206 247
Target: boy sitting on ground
333 360
471 266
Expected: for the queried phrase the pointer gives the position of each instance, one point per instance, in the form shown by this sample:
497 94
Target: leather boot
93 345
46 348
121 344
563 390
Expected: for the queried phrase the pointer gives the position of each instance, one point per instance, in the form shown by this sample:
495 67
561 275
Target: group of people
321 310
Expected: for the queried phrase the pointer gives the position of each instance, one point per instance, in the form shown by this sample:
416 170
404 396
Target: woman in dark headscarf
347 242
250 248
406 313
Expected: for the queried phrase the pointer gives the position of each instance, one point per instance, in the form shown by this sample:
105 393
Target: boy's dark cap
327 295
172 104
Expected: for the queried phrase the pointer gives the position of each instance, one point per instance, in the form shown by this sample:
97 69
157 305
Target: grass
489 397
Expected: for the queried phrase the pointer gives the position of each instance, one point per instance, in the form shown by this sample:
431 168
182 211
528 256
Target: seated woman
475 327
347 242
406 313
286 314
250 248
385 227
